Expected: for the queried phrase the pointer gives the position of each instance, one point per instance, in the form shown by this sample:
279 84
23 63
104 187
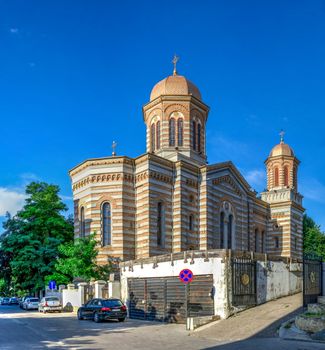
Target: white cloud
13 30
11 201
256 177
66 198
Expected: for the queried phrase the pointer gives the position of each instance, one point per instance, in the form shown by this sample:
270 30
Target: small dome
175 85
282 149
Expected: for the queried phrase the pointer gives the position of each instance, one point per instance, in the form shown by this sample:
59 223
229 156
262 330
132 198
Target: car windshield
33 300
52 299
112 303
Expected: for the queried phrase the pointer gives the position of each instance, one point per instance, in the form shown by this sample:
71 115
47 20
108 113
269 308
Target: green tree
78 259
33 236
314 238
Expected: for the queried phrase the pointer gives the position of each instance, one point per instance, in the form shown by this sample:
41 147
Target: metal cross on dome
282 133
114 144
174 61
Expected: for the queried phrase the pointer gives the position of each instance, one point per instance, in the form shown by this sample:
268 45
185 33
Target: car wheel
121 319
79 315
96 317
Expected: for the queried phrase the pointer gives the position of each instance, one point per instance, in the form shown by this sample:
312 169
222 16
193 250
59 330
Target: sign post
52 285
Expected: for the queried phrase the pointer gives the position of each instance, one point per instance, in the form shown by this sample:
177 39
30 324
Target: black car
103 309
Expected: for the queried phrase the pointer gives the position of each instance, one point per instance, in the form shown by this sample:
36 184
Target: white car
50 304
31 304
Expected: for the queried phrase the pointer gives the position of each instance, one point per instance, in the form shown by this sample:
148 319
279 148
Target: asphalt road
30 330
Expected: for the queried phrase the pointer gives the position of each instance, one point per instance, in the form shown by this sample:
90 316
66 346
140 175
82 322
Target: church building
169 199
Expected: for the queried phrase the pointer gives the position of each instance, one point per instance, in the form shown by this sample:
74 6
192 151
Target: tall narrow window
199 137
82 223
158 134
263 241
190 222
222 229
230 228
106 224
276 242
286 176
194 135
256 241
171 132
276 177
180 132
152 137
160 224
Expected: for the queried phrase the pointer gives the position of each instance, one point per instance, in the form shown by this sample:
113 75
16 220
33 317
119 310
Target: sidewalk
261 321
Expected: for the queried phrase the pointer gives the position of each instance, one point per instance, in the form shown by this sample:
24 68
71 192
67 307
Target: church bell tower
285 226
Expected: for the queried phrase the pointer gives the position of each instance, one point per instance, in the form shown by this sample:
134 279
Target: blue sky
75 74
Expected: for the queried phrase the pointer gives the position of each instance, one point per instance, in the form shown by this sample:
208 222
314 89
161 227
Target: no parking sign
186 276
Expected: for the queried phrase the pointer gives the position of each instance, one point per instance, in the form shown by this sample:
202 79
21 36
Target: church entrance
167 299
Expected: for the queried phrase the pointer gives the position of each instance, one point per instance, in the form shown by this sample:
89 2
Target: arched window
180 132
230 227
256 241
276 177
199 137
276 242
158 134
222 229
171 132
160 224
82 223
194 135
286 176
191 222
152 137
106 224
263 241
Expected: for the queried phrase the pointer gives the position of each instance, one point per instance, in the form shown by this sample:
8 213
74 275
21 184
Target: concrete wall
275 278
214 266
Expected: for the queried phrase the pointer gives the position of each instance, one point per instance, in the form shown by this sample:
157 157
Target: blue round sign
186 276
52 285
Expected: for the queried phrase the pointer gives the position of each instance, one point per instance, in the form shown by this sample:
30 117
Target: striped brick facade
196 205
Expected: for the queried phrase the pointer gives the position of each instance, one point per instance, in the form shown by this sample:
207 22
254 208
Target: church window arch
180 132
222 229
276 176
256 240
194 135
82 223
158 134
191 222
199 137
171 132
106 224
152 137
286 175
160 224
263 242
230 231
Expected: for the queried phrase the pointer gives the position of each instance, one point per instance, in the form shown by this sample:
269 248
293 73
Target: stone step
321 300
316 308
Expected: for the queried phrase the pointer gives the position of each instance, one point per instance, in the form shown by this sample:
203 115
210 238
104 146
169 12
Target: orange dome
175 85
282 149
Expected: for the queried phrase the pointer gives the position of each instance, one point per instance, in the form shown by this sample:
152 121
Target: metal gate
170 300
312 278
243 281
89 292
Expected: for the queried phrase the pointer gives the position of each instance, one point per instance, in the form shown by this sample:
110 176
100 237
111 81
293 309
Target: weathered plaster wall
214 266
